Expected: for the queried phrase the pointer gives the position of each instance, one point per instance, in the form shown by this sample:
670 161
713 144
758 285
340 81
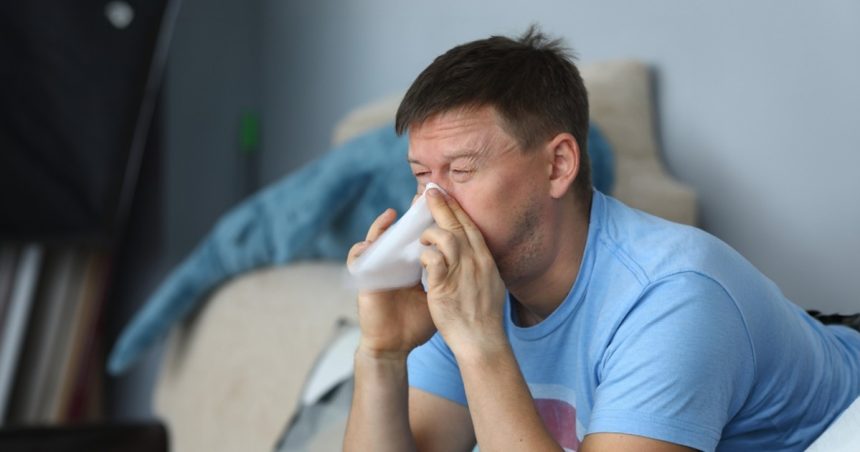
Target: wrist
369 352
485 350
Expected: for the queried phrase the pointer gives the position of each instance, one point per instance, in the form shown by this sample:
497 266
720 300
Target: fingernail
435 192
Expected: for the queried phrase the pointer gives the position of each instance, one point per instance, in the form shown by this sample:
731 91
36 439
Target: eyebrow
471 154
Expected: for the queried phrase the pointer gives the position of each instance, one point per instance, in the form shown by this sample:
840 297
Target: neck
541 292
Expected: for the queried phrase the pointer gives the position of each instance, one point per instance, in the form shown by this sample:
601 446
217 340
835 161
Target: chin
510 272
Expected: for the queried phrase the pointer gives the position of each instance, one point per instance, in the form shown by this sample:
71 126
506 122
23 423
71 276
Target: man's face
503 189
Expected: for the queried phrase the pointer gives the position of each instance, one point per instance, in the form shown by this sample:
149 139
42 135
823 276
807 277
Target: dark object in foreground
125 437
851 321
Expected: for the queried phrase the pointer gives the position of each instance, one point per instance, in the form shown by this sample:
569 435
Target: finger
444 241
434 262
356 251
382 222
442 214
476 239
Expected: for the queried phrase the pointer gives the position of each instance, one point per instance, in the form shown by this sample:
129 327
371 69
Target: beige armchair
232 374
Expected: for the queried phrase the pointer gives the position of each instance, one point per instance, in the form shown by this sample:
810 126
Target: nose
444 183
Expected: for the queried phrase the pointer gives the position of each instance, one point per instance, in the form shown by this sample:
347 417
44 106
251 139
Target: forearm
379 417
503 411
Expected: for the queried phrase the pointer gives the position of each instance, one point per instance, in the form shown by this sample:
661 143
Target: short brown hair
531 81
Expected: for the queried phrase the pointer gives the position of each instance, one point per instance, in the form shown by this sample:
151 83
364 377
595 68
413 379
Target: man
556 317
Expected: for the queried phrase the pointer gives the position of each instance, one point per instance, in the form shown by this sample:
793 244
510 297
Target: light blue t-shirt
669 333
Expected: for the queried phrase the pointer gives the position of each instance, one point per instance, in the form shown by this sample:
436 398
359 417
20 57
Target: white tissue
392 261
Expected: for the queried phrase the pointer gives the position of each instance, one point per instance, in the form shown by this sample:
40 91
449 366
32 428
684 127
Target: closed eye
461 175
463 170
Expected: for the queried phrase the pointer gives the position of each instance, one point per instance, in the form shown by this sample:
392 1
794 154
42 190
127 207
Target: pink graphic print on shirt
556 405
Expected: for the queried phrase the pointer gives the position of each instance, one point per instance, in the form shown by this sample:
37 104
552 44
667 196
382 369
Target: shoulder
653 248
686 298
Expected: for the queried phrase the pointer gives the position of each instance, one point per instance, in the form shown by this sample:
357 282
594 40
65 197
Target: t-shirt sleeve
678 367
433 368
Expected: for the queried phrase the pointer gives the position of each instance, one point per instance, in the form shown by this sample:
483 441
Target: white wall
758 104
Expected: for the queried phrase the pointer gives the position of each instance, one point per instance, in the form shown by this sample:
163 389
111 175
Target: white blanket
843 434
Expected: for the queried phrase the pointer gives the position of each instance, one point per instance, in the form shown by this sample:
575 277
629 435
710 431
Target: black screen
73 75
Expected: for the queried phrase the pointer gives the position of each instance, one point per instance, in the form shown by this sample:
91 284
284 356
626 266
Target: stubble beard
520 260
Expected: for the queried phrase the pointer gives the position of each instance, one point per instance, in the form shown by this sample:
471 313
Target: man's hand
392 322
465 293
383 416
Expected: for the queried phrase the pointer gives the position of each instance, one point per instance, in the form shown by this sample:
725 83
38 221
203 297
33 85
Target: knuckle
448 239
432 231
458 228
426 256
434 258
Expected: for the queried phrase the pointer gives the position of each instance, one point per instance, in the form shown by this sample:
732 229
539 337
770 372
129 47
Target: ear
563 153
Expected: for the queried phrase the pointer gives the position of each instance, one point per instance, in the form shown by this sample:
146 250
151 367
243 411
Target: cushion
232 375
